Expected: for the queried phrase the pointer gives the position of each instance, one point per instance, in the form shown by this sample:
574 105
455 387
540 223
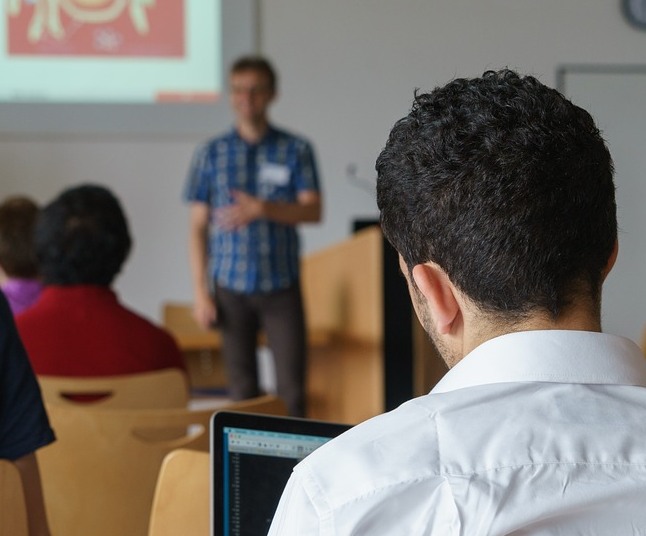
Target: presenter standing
248 189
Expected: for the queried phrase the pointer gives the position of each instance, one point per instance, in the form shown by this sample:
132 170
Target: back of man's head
508 187
82 237
17 219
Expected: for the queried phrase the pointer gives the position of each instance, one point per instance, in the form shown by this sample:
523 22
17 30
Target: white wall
147 176
348 69
622 119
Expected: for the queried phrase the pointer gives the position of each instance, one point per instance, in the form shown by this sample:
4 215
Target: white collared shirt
533 433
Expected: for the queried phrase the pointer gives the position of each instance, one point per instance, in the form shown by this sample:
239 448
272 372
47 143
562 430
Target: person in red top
78 327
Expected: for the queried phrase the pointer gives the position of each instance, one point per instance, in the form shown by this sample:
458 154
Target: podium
377 355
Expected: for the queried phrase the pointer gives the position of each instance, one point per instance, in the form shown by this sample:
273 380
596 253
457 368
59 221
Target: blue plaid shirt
264 255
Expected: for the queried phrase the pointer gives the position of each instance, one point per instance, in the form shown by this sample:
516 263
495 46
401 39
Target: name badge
276 174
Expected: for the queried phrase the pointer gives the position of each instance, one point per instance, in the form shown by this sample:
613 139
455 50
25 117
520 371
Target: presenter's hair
508 187
17 220
82 237
258 64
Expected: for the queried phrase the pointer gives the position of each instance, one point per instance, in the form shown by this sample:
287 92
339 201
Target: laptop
252 457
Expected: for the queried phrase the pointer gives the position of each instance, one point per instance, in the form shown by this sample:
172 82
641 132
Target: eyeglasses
252 90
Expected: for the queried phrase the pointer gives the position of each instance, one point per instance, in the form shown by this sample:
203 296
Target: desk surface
208 402
193 340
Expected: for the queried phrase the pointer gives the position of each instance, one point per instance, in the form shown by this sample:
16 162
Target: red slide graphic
114 28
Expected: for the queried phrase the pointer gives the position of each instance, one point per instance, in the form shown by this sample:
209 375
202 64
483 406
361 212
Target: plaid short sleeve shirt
264 255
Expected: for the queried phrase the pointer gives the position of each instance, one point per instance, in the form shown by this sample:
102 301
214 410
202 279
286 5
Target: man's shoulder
213 142
283 135
157 341
137 322
405 438
206 154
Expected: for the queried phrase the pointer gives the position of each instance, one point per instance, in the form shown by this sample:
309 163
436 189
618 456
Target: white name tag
276 174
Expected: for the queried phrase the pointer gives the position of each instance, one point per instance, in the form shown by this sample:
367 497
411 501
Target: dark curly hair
508 187
82 237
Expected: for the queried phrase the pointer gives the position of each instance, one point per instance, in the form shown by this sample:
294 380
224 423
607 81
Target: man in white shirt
498 194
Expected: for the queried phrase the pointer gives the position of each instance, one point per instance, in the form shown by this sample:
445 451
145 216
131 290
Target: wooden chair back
178 319
99 477
181 504
13 511
166 388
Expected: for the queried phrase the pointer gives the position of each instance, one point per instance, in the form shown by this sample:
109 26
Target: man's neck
252 132
574 318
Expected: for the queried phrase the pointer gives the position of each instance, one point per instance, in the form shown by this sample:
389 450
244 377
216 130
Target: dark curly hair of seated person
82 237
508 187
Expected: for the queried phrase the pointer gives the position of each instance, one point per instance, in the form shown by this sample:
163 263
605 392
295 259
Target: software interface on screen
257 465
110 51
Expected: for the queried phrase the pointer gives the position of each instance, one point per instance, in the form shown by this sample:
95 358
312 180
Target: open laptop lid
252 457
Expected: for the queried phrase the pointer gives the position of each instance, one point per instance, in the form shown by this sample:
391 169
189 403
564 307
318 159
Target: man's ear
438 290
612 259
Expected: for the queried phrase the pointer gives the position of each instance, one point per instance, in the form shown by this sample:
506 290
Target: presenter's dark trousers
280 315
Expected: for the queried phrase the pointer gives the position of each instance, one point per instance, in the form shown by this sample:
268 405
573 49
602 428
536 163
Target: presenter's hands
245 209
204 311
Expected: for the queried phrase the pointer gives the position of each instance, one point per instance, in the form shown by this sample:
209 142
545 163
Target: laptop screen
253 457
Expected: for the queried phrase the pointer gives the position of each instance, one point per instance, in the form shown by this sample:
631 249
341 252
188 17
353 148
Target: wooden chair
178 319
99 477
182 496
13 511
201 347
166 388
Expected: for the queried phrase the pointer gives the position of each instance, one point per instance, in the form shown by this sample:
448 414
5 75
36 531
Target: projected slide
110 51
